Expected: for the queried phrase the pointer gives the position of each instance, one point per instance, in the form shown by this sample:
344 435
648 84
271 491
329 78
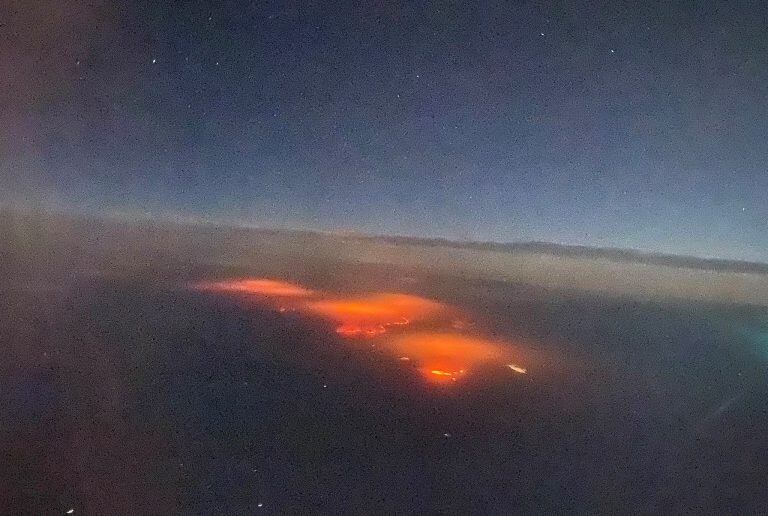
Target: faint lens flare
431 336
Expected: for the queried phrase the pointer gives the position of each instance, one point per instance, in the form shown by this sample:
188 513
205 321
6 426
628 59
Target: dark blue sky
638 125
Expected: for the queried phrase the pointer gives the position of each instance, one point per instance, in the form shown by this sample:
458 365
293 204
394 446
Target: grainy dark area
124 391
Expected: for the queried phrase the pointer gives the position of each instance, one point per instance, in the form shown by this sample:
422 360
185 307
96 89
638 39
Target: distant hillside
577 251
42 247
41 223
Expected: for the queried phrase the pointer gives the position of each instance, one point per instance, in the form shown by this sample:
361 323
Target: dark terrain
123 391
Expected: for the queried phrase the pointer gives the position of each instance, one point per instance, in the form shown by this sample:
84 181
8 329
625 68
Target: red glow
261 287
442 356
375 314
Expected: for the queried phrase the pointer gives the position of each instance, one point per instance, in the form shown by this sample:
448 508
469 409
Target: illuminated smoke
375 314
442 356
260 287
432 337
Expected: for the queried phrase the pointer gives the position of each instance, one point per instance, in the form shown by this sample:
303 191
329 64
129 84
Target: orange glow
441 356
261 287
375 314
444 356
443 375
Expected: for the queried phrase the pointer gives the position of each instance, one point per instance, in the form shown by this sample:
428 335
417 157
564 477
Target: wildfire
444 356
260 287
441 356
372 315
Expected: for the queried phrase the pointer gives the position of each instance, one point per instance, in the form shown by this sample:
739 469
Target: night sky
637 124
